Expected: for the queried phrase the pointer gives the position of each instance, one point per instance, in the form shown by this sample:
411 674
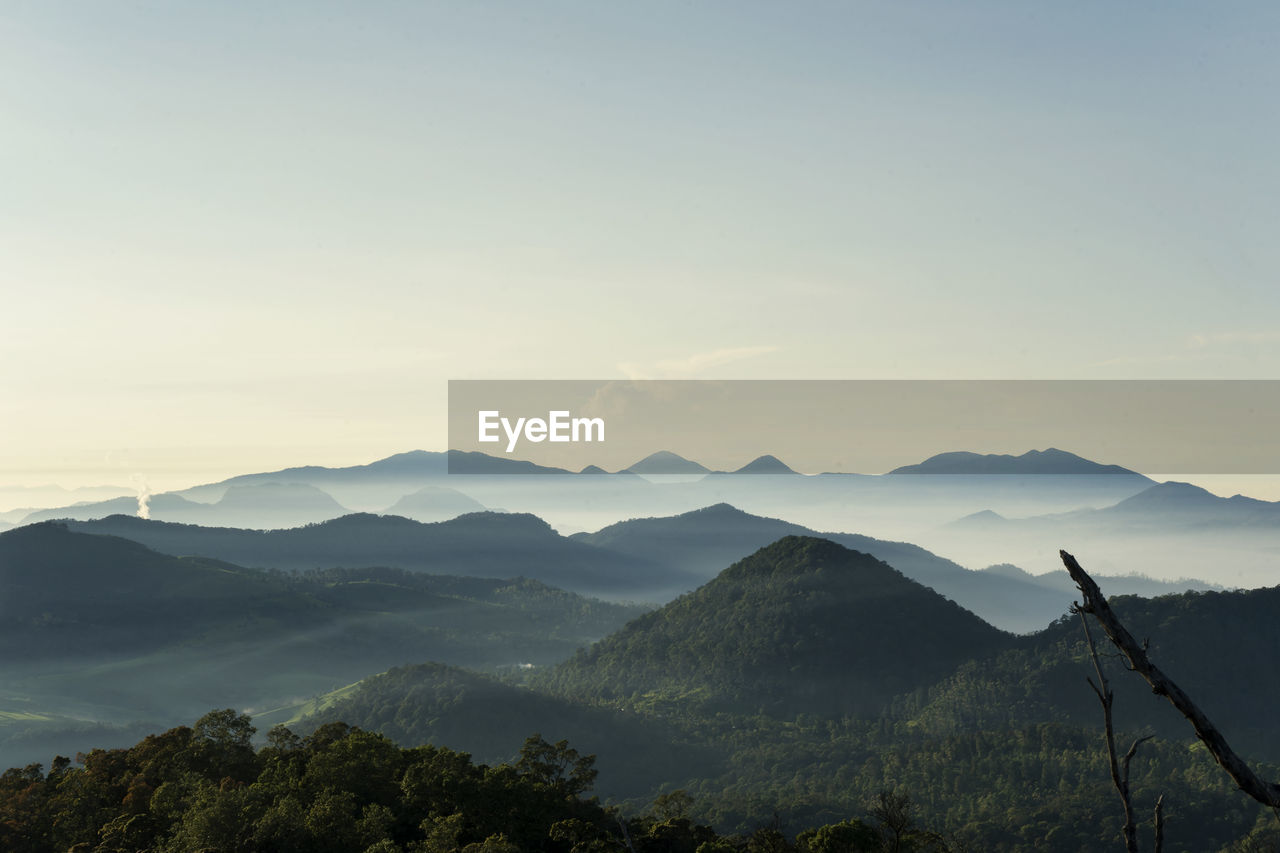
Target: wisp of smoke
144 495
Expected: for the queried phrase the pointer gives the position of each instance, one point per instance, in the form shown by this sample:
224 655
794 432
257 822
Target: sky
239 236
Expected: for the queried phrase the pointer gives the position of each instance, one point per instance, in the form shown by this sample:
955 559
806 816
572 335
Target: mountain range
648 559
101 628
703 541
805 676
482 544
433 486
776 665
1169 506
1035 462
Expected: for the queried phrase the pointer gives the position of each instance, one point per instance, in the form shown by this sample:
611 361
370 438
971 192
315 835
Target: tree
557 765
673 805
1135 653
850 836
220 743
1119 767
1267 793
892 812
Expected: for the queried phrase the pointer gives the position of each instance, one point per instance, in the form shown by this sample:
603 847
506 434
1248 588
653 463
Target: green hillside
479 544
801 626
807 679
448 706
98 630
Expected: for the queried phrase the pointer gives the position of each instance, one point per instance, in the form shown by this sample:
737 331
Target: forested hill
801 626
1222 648
807 678
447 706
102 630
704 541
484 544
63 592
803 682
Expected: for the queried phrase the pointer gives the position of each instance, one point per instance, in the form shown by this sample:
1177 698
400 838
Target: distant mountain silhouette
494 481
266 496
98 627
62 591
801 626
15 516
273 505
1173 495
1185 504
1061 582
472 462
489 479
411 467
666 463
24 500
1172 507
1051 461
765 465
1009 570
258 505
169 506
982 519
483 544
701 541
434 503
95 590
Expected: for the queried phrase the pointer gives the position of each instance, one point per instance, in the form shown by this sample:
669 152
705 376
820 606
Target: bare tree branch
1118 779
1128 756
1267 793
1159 820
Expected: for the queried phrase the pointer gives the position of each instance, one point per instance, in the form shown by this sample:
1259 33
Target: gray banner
871 427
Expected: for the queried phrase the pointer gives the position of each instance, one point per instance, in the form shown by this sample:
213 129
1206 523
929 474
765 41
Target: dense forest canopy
344 790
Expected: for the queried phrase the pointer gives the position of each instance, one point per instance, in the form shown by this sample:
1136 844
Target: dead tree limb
1267 793
1119 767
1159 820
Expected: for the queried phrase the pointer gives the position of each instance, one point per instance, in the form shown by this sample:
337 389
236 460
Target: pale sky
239 236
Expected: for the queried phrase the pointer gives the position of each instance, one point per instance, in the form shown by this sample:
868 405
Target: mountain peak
1170 495
981 517
506 522
664 462
268 494
475 462
803 625
1009 570
766 464
720 509
797 555
1048 461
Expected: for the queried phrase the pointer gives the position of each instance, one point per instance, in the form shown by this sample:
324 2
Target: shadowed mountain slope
483 544
447 706
704 541
1050 461
801 626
